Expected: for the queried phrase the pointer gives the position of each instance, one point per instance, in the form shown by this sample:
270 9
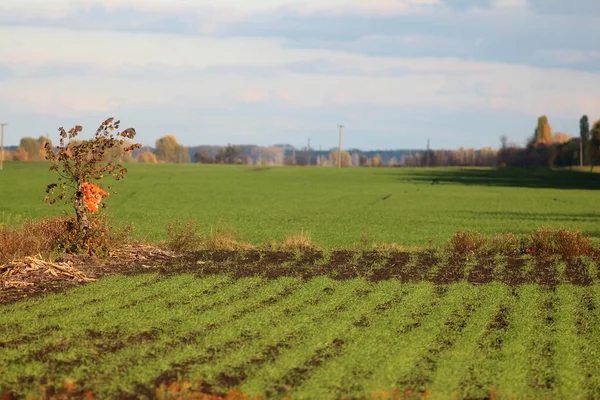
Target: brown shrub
51 236
545 242
147 157
464 244
42 237
99 239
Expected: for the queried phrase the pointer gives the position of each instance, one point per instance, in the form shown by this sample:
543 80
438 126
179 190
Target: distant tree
32 147
165 148
346 159
559 138
20 154
44 143
594 144
543 132
227 155
584 134
584 128
117 154
169 150
147 157
392 162
363 160
289 160
182 156
203 157
377 162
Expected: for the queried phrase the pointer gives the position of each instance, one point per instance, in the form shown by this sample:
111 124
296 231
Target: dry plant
42 237
298 242
186 236
546 241
51 237
464 244
224 239
77 163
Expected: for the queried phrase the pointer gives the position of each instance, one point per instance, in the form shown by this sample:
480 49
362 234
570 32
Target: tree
346 158
203 157
363 160
560 138
170 151
584 128
289 160
584 134
543 133
35 148
77 164
594 144
377 161
227 155
147 157
182 156
19 155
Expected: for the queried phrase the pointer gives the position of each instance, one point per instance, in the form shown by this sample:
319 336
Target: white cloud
188 72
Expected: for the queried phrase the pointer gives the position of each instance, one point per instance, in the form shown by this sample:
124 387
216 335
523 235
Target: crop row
407 267
317 338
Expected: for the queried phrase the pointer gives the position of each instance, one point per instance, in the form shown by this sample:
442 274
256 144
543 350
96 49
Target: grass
492 315
319 338
334 207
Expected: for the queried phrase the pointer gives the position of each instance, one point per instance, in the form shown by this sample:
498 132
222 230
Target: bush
51 237
465 244
32 238
184 236
77 162
546 242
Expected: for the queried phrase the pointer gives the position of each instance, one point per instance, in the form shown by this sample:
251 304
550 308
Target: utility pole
2 125
339 160
580 151
428 152
308 154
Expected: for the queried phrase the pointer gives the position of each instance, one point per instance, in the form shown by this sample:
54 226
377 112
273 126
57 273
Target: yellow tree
169 150
346 159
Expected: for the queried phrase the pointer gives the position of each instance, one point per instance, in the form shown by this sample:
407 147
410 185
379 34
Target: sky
395 73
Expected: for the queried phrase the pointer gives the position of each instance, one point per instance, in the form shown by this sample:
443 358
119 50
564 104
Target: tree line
543 149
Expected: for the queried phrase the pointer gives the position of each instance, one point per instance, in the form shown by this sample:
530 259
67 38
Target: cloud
268 71
561 7
512 31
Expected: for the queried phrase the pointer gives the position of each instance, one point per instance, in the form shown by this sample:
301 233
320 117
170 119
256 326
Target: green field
500 326
308 339
334 206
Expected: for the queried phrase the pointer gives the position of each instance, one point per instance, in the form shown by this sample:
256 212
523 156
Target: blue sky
394 72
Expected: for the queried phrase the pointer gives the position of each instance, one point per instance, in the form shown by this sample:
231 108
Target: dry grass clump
43 237
186 236
226 239
183 236
298 242
546 242
52 236
465 244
